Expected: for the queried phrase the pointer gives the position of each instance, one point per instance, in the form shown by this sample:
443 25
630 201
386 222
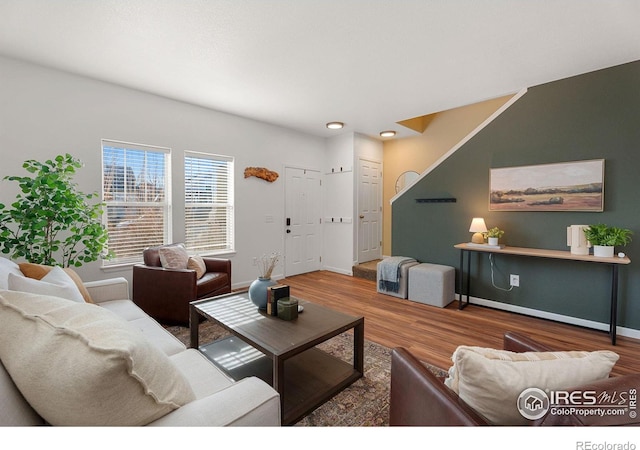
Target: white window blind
208 203
135 181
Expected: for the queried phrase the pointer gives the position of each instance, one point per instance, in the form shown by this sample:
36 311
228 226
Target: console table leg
460 276
613 326
468 277
461 303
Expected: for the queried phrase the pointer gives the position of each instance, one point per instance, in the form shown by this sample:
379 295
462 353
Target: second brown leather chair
165 294
419 398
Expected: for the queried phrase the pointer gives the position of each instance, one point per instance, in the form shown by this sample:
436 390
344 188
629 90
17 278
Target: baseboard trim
338 270
621 331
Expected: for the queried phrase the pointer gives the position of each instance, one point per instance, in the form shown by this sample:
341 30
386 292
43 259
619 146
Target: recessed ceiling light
335 125
388 133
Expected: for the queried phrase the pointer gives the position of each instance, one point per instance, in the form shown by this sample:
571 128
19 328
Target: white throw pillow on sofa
6 267
78 364
490 380
56 283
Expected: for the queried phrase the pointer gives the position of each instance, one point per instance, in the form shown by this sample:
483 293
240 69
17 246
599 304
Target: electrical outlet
514 280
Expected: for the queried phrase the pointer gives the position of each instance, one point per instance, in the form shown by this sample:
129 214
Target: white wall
45 112
338 202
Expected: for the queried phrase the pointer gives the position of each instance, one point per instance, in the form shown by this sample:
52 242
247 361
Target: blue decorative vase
258 292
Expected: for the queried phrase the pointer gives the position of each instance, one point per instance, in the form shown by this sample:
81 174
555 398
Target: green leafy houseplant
51 222
494 232
601 234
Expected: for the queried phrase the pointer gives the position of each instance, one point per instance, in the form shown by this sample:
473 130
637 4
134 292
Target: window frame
166 204
229 204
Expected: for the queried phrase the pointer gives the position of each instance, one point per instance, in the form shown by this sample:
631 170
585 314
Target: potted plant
51 222
604 238
493 235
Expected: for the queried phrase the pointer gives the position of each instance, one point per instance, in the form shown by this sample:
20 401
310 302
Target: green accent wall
591 116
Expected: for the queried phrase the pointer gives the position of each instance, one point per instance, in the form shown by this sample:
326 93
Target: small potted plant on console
604 238
493 235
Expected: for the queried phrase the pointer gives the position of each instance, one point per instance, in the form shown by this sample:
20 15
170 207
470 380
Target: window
208 189
135 189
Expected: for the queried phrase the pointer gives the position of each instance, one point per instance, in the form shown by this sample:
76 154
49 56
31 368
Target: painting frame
564 186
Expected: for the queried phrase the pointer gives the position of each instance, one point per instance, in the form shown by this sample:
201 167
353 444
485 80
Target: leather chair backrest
151 255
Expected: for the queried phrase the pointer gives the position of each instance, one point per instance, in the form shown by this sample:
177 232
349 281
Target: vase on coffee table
258 291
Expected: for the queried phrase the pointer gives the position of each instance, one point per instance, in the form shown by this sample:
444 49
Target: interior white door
369 211
302 221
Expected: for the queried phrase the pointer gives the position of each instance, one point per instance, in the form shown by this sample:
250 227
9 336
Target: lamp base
477 238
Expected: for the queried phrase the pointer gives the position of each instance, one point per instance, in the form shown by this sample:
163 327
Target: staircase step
367 270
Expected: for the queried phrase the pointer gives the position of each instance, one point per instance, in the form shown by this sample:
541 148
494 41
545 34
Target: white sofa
213 398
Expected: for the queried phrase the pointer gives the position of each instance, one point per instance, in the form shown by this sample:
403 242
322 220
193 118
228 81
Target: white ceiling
302 63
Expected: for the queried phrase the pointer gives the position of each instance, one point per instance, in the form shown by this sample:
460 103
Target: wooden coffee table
281 352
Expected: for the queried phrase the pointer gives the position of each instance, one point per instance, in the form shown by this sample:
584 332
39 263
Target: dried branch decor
267 263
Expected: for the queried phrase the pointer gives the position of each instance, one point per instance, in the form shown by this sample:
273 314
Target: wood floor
432 334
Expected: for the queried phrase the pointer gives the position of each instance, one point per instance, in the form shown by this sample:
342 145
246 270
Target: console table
614 262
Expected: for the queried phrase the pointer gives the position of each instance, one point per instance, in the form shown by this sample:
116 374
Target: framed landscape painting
570 186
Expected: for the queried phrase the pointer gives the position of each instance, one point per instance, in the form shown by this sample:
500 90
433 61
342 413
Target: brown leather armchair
165 294
419 398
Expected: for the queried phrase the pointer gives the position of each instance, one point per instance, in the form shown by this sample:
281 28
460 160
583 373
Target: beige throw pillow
490 380
173 256
197 263
78 364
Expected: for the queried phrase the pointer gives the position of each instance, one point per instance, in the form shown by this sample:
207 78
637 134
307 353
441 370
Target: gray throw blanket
389 272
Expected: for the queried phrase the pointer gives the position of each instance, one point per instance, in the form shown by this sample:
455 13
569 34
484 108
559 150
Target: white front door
369 211
302 221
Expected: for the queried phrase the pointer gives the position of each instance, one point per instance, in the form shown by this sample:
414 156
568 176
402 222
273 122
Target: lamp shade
477 225
477 228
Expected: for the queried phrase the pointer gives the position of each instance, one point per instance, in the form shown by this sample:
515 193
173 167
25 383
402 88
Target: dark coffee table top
271 335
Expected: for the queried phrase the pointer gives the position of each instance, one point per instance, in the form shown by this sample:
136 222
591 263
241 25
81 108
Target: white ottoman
404 276
432 284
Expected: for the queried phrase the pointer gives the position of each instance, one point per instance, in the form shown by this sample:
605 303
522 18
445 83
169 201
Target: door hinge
321 259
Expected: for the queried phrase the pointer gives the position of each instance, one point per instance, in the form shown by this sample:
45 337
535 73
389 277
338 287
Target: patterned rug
365 403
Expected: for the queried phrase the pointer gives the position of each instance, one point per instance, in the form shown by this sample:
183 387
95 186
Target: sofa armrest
618 390
516 342
109 289
419 398
249 402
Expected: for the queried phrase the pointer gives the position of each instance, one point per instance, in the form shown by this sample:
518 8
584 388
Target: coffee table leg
194 325
358 347
278 380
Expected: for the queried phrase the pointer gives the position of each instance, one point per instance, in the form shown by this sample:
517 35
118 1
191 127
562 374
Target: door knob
362 216
288 231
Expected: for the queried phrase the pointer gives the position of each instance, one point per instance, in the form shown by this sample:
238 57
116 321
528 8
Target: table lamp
477 228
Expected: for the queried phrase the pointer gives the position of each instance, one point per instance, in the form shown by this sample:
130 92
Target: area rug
363 404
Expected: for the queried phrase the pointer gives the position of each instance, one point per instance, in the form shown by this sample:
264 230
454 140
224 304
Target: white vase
605 251
493 241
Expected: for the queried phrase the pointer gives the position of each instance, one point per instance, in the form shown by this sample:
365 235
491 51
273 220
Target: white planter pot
605 251
493 241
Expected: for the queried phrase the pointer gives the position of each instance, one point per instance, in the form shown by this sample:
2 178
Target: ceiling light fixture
335 125
388 133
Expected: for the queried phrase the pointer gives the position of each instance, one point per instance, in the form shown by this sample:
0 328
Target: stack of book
275 293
